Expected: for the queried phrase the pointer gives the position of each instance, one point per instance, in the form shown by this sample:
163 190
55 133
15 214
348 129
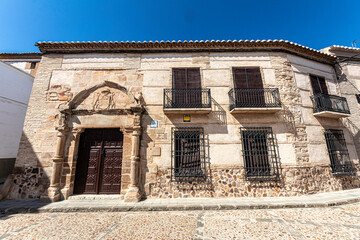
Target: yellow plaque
187 118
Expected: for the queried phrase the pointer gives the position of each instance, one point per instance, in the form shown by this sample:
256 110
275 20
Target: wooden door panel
92 171
110 181
100 161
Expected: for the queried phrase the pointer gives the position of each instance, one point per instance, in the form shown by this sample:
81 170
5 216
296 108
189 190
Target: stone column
54 189
133 194
53 192
73 155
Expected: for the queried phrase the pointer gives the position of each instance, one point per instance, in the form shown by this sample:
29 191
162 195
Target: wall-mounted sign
154 124
187 118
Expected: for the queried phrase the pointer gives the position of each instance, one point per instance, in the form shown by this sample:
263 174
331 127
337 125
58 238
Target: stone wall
295 181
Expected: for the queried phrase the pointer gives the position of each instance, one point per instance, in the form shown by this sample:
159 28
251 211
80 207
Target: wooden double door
99 164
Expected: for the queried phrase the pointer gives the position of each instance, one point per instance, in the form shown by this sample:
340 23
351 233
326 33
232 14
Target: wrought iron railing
260 154
254 98
187 154
339 156
187 98
325 102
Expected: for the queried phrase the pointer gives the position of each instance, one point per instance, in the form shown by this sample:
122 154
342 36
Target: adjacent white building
15 89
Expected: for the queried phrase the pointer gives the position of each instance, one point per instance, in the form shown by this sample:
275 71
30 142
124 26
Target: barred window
357 97
188 155
338 153
260 154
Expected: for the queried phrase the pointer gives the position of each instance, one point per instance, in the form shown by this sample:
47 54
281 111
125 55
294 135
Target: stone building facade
196 119
347 68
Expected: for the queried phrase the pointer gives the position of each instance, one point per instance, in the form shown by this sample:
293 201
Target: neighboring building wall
348 70
15 89
300 141
27 62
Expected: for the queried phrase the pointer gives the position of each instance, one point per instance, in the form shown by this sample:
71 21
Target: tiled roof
33 55
178 46
344 48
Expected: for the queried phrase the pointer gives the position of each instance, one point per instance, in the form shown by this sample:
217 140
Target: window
259 153
187 87
357 97
247 77
32 65
188 155
186 78
338 153
318 85
249 89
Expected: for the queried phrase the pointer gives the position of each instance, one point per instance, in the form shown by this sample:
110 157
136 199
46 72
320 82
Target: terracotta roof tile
169 46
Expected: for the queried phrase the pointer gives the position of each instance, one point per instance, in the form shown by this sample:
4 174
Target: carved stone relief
59 93
104 99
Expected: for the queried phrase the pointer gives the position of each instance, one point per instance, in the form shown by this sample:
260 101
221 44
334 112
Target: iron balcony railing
325 102
187 98
254 98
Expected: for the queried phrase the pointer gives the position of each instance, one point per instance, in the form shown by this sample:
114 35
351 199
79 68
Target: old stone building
184 119
347 68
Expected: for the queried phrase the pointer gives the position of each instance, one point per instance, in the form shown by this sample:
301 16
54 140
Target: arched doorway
99 165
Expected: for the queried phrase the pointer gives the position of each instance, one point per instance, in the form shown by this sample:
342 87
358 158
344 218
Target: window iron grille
325 102
357 97
338 152
188 154
254 98
187 98
259 154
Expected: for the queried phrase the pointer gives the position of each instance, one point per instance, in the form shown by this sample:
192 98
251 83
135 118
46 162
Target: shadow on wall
6 167
355 131
28 179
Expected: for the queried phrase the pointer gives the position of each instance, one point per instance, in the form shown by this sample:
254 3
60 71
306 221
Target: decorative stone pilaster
133 194
53 192
73 155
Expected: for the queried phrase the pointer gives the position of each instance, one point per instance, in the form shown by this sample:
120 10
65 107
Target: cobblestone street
342 222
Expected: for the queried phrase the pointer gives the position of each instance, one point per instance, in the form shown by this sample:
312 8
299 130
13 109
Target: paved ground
341 222
112 203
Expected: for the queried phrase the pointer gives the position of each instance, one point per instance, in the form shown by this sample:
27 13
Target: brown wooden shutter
247 78
254 78
179 78
239 78
193 78
323 86
318 84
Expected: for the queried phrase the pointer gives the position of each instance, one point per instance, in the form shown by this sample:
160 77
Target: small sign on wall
154 124
187 118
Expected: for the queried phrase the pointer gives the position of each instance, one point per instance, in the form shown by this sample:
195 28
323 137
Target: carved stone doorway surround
68 137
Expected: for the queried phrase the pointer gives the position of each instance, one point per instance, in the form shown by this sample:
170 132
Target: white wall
15 89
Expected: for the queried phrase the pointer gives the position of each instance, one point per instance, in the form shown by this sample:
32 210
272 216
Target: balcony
330 106
264 100
187 101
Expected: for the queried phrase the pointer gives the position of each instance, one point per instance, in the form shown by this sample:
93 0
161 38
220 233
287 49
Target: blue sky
316 24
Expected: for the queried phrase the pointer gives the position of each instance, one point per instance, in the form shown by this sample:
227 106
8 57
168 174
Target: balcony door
320 89
249 89
186 87
318 85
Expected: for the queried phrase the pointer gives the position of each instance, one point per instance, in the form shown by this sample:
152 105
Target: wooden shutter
186 78
318 84
179 78
247 78
240 78
254 78
193 78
